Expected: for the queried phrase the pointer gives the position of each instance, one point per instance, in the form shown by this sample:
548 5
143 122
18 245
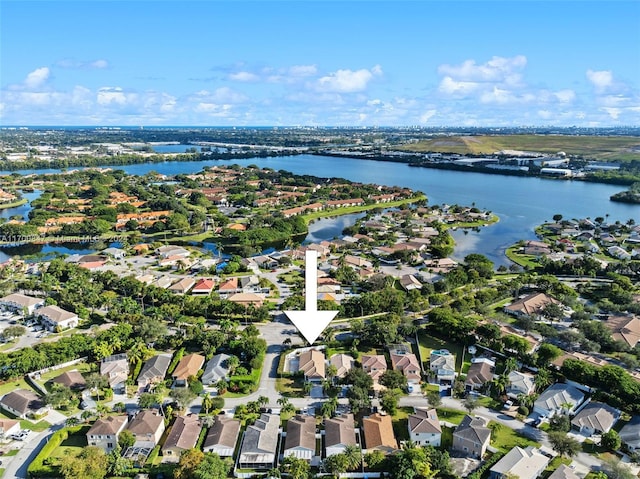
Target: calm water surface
521 203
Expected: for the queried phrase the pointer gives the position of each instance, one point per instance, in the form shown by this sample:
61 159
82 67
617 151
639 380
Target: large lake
521 203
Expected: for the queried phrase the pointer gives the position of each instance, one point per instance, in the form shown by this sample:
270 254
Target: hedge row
38 468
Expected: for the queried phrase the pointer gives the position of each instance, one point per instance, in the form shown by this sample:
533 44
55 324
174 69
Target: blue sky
338 63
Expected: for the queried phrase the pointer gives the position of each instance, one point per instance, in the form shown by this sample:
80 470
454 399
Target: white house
20 302
55 318
424 427
557 399
595 418
105 431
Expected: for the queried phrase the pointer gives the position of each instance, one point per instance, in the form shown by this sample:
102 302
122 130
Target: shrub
524 410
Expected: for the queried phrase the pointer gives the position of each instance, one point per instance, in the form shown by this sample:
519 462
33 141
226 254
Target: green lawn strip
13 204
505 438
446 440
11 452
35 426
454 416
290 387
358 209
525 260
81 367
1 471
555 464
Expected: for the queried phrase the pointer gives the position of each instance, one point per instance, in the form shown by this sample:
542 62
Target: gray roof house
522 463
564 472
154 370
443 364
520 383
300 441
215 369
222 436
116 368
630 434
183 435
480 373
595 418
471 437
558 398
260 443
23 403
424 427
339 432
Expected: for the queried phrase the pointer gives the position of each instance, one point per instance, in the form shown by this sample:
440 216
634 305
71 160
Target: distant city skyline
330 63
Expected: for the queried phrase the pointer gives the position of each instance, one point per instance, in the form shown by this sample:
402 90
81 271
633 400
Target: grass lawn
454 416
505 439
83 368
290 387
72 446
12 385
35 426
555 464
429 343
357 209
446 440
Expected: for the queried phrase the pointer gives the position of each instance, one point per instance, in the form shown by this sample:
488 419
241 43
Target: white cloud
348 81
111 95
244 77
565 96
601 80
614 113
303 70
449 86
427 115
495 70
37 78
99 64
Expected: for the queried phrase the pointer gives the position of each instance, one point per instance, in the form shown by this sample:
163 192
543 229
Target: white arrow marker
311 322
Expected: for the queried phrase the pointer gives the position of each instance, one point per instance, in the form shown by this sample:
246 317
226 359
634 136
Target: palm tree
353 455
263 401
500 384
207 403
543 379
329 407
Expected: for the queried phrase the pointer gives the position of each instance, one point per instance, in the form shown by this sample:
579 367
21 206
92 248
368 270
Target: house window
110 445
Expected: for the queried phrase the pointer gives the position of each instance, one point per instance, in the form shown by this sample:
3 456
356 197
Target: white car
21 436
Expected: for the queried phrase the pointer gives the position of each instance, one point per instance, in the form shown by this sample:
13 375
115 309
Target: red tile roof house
186 368
203 286
183 435
57 319
531 305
